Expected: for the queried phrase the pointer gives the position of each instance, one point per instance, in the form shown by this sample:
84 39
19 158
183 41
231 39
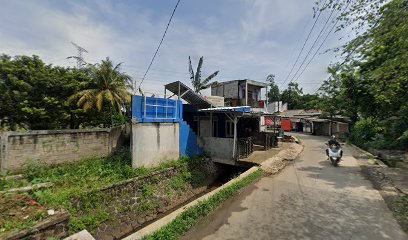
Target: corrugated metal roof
188 95
227 109
300 113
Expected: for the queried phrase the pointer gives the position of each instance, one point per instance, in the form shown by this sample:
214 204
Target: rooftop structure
241 93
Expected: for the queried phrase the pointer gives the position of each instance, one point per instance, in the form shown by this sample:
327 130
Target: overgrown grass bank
400 209
192 215
77 180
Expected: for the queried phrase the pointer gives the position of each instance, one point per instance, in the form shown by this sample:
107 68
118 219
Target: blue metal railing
156 109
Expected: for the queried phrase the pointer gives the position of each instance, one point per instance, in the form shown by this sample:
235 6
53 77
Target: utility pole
80 56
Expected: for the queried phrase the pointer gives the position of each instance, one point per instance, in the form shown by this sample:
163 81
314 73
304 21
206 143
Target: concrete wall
226 90
153 143
219 149
323 128
56 146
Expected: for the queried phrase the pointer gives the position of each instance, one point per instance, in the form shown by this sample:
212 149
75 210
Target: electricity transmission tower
80 57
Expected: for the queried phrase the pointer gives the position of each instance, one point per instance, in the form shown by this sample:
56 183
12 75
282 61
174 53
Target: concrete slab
82 235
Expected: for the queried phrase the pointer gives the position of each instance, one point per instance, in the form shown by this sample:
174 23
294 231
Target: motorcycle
334 154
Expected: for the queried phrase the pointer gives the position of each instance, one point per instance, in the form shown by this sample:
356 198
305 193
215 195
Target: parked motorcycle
335 154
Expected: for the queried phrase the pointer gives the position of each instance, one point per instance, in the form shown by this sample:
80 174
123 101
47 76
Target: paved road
309 199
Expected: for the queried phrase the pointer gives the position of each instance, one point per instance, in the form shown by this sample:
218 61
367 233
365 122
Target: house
242 93
184 123
326 127
277 107
299 119
227 133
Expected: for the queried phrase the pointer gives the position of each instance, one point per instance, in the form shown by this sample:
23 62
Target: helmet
333 137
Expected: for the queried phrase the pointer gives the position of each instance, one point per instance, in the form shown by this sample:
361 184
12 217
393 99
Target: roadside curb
369 156
272 166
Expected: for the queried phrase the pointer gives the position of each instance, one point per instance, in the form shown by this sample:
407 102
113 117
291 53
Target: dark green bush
391 133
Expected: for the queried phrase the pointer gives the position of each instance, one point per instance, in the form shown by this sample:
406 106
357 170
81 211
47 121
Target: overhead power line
314 44
304 44
321 45
161 41
355 48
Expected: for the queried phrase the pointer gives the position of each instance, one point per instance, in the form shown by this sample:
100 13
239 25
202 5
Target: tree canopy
273 94
34 95
108 87
371 85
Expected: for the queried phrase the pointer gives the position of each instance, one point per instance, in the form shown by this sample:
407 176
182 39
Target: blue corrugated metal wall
188 141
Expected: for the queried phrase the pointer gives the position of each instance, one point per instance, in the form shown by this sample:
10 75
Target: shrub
364 131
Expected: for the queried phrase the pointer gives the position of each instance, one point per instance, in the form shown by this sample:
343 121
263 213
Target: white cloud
257 41
277 16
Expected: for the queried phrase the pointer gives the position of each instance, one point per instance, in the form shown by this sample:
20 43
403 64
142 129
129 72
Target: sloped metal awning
243 109
186 93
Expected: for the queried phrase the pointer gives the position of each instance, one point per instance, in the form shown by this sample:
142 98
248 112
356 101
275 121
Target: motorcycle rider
333 141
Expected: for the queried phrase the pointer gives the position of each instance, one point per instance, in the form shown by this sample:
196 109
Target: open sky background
241 38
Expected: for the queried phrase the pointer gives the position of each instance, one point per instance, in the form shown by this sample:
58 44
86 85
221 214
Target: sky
243 39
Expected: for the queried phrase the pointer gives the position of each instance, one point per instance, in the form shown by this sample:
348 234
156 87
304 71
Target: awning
242 109
186 93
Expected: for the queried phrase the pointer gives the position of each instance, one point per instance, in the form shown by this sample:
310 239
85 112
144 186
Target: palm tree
109 86
199 84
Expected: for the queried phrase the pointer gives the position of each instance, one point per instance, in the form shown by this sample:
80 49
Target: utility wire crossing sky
240 38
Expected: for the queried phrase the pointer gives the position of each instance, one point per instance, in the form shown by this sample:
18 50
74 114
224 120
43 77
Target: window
229 128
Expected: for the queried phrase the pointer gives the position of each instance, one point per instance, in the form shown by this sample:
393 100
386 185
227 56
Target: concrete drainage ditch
127 222
224 174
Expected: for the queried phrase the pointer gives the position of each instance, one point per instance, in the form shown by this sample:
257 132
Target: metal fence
159 108
156 109
245 147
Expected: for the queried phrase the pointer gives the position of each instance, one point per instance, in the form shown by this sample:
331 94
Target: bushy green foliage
372 82
365 130
293 96
34 95
387 134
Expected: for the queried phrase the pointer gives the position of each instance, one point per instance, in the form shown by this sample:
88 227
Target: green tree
293 96
331 99
273 93
310 101
33 94
197 82
108 88
374 75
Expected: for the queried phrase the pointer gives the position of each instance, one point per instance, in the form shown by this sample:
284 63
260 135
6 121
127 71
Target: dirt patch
19 211
276 163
